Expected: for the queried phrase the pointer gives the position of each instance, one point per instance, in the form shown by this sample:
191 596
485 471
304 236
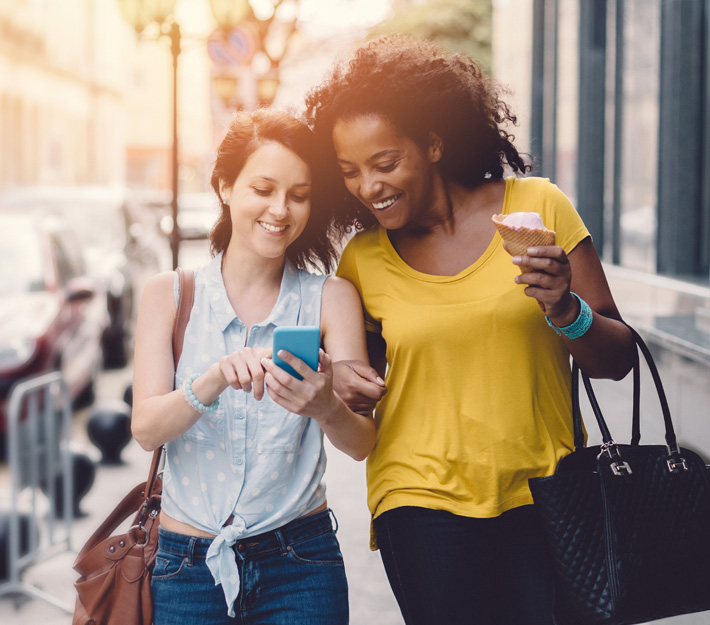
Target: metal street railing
38 436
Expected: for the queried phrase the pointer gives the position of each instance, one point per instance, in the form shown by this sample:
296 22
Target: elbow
624 361
142 436
615 373
363 452
620 374
360 455
615 369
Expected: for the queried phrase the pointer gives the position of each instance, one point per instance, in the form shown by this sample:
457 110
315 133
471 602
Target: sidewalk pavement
371 600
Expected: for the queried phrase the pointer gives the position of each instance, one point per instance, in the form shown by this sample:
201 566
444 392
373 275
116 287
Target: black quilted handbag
628 526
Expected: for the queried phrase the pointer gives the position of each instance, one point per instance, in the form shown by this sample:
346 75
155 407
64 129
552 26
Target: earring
224 204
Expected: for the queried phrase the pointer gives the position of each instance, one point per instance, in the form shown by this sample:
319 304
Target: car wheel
87 396
114 348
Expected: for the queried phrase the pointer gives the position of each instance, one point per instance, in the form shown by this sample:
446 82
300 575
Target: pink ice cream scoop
523 219
521 231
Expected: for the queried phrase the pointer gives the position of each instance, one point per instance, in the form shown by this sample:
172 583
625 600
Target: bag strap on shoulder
186 298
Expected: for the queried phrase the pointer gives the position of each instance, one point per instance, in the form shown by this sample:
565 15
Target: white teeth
386 203
271 227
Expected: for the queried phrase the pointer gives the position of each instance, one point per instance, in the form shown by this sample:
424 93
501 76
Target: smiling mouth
271 227
385 203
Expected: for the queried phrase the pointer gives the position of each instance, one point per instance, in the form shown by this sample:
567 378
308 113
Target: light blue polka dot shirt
252 459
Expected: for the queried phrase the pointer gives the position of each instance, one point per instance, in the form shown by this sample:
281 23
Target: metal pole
591 122
618 132
175 234
537 112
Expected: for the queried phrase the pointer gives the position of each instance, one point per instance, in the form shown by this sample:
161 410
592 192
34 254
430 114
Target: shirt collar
284 313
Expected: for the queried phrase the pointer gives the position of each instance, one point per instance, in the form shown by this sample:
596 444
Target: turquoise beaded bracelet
579 326
195 403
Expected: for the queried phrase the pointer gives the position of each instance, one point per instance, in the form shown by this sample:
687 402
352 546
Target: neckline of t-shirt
495 242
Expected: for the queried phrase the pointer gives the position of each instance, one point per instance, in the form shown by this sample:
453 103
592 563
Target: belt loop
191 551
281 540
333 520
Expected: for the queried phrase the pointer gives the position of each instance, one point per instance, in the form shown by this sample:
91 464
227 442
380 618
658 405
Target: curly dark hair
315 247
418 88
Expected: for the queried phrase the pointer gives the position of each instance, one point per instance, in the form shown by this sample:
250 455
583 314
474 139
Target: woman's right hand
242 370
358 385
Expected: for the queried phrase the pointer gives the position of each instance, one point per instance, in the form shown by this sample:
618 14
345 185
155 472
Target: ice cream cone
518 239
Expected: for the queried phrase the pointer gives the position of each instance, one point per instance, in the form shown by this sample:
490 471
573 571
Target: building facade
62 118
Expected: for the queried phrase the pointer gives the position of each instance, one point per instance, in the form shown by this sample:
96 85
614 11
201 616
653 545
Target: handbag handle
186 297
607 440
606 435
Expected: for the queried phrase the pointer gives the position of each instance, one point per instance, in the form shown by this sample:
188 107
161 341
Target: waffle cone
518 240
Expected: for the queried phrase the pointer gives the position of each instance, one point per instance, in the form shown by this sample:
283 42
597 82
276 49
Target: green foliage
463 26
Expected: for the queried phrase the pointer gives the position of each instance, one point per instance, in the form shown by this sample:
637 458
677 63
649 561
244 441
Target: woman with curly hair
475 353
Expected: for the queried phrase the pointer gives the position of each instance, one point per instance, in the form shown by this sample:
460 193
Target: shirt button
240 415
240 461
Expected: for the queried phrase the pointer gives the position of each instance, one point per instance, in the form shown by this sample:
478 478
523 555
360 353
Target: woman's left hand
313 396
549 282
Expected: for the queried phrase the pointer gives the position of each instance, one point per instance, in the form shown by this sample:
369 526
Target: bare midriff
178 527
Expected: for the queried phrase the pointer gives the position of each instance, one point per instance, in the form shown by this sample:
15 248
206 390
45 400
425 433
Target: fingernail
517 260
264 361
380 380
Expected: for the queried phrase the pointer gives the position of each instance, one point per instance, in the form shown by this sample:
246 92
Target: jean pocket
323 549
167 565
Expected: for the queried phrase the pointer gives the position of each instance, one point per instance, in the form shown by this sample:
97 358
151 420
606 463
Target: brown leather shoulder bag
114 587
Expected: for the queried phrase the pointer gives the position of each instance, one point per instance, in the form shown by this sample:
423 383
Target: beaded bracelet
195 403
579 326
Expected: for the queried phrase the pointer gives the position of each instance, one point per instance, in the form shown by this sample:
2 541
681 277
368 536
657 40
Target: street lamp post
140 13
175 235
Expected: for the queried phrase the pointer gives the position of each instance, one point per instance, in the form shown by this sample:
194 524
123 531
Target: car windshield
97 221
20 260
97 224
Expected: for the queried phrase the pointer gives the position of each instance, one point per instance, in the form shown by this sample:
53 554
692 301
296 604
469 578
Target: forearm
606 350
162 418
351 433
564 285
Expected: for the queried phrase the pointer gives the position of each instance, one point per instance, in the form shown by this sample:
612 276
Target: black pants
454 570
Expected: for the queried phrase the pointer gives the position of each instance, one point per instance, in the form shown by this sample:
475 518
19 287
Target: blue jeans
291 576
457 570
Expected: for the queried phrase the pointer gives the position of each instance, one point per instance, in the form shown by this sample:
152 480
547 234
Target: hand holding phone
302 341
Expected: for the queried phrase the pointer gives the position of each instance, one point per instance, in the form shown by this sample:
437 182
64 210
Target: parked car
52 312
197 214
122 243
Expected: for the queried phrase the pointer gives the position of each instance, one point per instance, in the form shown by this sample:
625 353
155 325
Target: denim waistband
195 547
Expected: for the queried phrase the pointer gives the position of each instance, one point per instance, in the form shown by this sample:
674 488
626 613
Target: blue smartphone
301 341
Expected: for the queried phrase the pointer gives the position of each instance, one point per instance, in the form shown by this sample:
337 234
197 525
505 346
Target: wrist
569 314
333 413
579 326
216 378
198 395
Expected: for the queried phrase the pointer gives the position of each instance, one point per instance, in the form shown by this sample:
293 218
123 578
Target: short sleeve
349 268
560 215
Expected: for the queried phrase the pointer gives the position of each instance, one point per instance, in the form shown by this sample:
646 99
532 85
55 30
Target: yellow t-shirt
478 385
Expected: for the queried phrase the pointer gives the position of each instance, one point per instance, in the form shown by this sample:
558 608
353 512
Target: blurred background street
110 111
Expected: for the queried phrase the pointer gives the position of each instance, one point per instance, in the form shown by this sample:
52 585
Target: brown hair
417 87
247 132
